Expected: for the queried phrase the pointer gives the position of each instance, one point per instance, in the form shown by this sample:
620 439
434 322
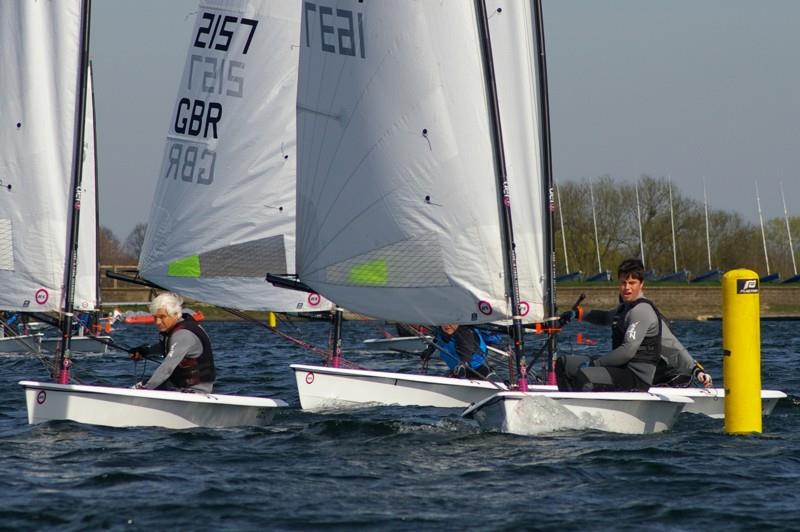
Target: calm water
392 468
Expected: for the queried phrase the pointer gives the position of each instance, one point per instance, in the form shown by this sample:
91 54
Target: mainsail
223 215
86 279
398 214
39 69
511 28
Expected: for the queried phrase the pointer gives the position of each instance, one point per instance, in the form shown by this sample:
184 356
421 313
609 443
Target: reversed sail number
339 32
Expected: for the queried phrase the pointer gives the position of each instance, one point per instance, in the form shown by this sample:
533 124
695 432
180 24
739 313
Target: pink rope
321 352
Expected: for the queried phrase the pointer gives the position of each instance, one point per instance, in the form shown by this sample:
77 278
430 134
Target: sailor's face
449 328
164 321
630 288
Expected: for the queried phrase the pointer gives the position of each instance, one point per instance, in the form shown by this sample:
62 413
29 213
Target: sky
692 90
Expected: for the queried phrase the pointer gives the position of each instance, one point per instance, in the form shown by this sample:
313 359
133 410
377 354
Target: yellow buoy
272 320
741 344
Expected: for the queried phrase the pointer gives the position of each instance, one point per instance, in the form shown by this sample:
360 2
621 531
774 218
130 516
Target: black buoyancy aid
649 351
193 370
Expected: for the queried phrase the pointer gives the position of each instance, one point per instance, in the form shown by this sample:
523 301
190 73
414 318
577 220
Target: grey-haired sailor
188 363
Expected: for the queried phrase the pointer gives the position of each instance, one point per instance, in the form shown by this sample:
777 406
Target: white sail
398 214
86 287
515 63
223 215
39 63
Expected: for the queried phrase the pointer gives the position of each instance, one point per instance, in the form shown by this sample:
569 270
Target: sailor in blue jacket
463 348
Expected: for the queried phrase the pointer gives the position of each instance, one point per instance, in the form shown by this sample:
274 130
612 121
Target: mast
547 186
336 337
547 163
761 223
507 230
788 231
708 239
563 237
594 222
672 225
63 357
639 218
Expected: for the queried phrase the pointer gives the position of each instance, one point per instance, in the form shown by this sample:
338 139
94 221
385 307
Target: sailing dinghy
49 43
406 182
706 401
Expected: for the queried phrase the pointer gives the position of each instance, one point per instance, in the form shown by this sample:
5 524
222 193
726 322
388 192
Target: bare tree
135 241
110 250
735 243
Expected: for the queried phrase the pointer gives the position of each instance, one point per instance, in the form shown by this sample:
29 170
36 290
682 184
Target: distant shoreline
675 302
686 302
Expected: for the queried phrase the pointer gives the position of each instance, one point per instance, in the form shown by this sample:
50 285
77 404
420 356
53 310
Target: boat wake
541 415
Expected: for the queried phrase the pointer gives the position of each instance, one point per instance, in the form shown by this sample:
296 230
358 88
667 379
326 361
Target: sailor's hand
138 386
704 379
699 373
136 356
460 371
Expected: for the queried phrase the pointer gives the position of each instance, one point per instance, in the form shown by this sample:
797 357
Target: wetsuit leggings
573 373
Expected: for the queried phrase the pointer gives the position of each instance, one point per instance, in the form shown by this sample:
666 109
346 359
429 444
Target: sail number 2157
341 31
217 31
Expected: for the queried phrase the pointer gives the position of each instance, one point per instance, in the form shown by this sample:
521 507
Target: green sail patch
185 267
372 273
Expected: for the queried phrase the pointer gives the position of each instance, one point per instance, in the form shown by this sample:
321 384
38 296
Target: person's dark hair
631 268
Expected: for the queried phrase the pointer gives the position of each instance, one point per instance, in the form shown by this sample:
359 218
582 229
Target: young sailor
188 359
463 348
641 343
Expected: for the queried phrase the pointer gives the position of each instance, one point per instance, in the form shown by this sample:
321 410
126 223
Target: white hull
527 413
711 401
706 401
411 344
321 387
347 388
25 343
126 407
78 344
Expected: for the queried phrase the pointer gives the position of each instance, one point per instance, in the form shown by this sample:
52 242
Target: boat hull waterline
321 387
127 407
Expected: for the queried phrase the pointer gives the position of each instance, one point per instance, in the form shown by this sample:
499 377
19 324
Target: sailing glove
701 376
